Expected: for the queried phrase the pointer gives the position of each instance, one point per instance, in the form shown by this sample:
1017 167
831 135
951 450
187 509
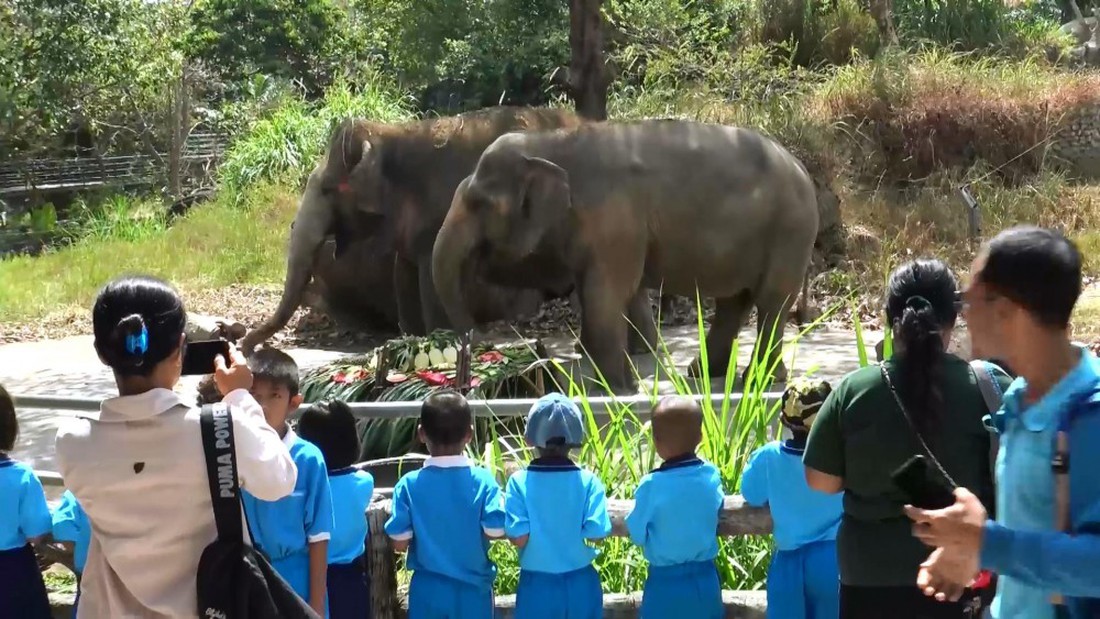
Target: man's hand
947 573
958 527
235 376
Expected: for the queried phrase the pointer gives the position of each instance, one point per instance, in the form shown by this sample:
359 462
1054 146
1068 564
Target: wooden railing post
382 563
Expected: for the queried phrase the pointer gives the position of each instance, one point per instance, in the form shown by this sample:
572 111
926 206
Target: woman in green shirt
862 434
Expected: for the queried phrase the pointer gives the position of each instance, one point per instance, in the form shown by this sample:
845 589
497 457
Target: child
803 579
24 518
331 427
293 531
683 578
70 524
443 514
554 509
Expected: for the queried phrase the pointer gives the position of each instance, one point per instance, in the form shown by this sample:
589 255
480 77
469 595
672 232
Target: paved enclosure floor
70 368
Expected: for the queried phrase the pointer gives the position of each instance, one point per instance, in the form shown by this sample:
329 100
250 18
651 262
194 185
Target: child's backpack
236 581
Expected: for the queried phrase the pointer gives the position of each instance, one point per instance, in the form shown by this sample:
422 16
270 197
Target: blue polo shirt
683 490
351 493
776 477
1025 483
23 511
447 509
560 505
70 524
286 527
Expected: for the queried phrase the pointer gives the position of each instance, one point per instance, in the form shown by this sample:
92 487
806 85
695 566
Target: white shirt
137 468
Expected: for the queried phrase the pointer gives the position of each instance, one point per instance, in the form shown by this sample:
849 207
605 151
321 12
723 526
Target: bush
287 142
902 117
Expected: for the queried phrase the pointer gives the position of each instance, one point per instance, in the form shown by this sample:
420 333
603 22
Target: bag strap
994 398
221 470
913 427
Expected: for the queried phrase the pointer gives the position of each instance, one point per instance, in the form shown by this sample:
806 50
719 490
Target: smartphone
198 357
921 488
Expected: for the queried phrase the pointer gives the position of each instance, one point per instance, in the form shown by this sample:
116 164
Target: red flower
360 374
340 378
475 381
492 356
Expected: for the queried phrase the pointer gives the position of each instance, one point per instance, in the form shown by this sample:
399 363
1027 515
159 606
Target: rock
1080 29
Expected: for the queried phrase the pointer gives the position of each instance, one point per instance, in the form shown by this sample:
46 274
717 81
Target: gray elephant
616 208
354 285
390 186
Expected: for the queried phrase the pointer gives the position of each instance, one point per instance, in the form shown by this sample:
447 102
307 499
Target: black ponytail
922 304
137 322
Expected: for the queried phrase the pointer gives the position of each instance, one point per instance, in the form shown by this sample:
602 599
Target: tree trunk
588 80
883 12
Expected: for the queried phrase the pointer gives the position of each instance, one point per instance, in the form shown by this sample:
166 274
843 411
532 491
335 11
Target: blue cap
554 416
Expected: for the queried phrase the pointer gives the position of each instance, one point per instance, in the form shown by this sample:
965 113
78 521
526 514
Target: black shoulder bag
235 581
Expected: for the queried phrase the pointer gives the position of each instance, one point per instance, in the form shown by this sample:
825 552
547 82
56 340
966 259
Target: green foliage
460 54
968 25
286 143
100 65
301 40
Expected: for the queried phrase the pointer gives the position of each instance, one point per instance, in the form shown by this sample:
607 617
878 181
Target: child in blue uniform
444 515
70 524
803 579
293 531
555 511
331 427
24 518
683 579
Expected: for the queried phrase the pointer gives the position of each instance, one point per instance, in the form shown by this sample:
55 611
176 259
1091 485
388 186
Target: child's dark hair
137 322
445 417
678 422
331 427
555 448
9 425
274 365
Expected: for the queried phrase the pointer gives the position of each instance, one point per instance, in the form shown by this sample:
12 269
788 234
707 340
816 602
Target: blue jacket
1068 563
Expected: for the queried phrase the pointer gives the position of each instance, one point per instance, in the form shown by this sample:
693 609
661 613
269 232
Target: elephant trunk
311 224
455 242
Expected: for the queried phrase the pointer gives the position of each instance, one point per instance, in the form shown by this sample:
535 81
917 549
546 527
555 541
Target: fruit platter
410 368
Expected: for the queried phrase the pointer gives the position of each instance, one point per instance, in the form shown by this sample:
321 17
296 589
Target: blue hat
554 416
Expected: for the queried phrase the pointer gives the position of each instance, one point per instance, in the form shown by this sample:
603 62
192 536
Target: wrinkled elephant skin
394 183
670 205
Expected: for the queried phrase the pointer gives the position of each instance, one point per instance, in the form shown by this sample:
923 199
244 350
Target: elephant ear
546 197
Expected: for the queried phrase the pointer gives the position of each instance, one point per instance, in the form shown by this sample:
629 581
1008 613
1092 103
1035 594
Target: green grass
216 244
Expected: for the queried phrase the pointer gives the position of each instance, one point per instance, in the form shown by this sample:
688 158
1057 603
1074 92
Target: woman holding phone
137 465
922 401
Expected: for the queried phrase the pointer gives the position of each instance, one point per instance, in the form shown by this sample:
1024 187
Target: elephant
354 285
391 185
397 181
616 207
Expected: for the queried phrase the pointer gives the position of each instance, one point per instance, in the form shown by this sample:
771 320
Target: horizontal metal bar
639 405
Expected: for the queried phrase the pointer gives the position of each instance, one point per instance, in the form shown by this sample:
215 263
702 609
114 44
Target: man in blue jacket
1045 543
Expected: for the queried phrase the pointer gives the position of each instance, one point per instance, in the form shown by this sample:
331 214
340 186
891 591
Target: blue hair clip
138 344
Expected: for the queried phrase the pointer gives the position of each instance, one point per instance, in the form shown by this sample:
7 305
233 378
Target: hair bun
133 335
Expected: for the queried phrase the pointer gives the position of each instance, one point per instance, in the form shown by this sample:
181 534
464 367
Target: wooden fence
387 601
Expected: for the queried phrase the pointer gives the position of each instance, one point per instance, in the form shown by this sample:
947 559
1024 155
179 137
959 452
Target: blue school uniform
348 585
683 579
560 506
284 529
446 509
23 515
803 578
70 524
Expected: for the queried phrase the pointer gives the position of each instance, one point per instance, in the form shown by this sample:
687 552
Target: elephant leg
435 317
406 283
729 317
772 309
642 336
603 332
667 311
